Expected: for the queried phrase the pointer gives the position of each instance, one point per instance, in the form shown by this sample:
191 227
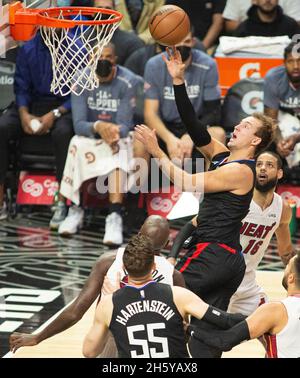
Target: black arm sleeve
181 237
222 319
197 131
223 340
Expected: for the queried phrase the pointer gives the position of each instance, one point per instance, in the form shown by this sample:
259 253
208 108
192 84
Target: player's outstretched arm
227 178
188 303
268 318
283 235
208 146
96 338
73 313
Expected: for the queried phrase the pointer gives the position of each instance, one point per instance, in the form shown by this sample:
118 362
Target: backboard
6 41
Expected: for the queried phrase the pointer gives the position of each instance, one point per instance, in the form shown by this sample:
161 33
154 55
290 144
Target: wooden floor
69 343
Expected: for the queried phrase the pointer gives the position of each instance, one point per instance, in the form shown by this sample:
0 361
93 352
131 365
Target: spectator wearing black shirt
205 16
266 18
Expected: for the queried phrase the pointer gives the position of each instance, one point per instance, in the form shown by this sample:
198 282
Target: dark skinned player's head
157 229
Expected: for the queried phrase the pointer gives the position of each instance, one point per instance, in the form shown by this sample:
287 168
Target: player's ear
256 141
291 278
280 174
153 266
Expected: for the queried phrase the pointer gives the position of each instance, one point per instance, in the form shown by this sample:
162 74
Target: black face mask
162 47
185 52
104 67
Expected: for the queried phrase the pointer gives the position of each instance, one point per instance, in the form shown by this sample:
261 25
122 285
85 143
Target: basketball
169 25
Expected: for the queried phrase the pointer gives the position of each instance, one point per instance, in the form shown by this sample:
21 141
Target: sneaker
113 229
3 212
59 215
73 222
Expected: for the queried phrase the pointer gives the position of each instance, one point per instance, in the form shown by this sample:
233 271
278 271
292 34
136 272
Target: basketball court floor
41 273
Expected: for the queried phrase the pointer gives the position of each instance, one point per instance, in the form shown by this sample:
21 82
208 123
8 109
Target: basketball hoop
75 44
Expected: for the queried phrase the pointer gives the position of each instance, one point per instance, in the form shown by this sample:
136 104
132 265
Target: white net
75 53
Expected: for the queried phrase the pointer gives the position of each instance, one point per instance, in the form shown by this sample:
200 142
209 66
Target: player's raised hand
149 140
175 65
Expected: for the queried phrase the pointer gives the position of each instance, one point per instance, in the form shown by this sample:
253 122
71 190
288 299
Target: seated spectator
137 15
136 62
235 12
160 111
282 100
266 19
34 101
206 18
125 42
104 113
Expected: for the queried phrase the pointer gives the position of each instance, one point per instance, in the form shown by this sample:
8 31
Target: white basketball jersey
163 273
257 230
286 343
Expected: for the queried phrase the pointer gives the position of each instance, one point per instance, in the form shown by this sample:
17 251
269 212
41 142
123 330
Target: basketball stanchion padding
75 37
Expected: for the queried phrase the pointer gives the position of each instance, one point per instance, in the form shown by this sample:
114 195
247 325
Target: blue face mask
63 3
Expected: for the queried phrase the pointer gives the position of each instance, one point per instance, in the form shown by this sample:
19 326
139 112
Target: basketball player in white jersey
268 214
155 227
277 322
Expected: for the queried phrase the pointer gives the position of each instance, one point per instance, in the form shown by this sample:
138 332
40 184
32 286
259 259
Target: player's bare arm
96 338
74 312
283 236
268 318
233 177
188 303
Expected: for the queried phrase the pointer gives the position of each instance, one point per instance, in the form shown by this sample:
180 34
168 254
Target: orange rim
48 17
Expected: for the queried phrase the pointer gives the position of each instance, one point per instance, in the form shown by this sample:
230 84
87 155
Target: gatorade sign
232 69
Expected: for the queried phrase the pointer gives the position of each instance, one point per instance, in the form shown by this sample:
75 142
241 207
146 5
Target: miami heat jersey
256 232
146 322
286 343
163 273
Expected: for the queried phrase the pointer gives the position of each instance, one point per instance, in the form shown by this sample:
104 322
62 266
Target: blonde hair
266 132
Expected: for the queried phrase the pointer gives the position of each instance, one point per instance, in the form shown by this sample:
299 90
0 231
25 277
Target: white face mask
63 3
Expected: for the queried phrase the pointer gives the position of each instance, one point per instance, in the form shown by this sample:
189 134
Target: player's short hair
138 257
276 156
296 268
266 132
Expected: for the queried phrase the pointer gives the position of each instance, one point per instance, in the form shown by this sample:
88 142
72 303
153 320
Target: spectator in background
282 100
266 19
235 12
136 62
34 100
137 14
107 113
125 42
205 16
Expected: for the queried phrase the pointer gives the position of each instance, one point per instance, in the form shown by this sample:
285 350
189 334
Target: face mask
104 67
185 52
63 3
